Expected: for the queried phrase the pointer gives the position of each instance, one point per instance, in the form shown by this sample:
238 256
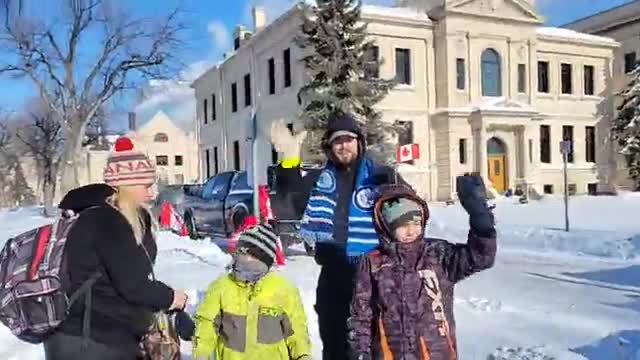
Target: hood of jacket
86 196
348 123
393 191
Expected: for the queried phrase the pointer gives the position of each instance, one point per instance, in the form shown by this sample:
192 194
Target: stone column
479 144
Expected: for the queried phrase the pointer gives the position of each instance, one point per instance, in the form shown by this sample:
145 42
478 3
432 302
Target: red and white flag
407 152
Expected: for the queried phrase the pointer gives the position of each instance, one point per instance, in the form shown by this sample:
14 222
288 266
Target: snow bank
16 221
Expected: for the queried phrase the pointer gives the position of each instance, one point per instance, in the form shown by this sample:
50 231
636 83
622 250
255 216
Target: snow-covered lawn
551 294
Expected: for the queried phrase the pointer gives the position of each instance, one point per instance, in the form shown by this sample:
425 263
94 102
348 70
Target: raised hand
286 143
472 196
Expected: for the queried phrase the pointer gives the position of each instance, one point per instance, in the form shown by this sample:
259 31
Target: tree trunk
69 161
49 189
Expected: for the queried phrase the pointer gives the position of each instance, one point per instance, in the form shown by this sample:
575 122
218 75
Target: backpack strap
85 289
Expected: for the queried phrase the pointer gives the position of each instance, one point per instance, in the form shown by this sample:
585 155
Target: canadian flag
407 152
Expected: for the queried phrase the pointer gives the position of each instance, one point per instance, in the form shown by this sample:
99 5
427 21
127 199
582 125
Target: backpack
34 280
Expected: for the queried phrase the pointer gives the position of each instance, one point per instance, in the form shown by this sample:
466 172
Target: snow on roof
395 12
570 34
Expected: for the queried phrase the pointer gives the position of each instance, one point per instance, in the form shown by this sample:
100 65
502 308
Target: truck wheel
309 250
238 218
191 226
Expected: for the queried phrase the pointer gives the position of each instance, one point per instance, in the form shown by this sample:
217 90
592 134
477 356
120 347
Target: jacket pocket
233 330
273 326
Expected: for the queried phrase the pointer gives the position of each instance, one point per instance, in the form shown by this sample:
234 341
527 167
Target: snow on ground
550 295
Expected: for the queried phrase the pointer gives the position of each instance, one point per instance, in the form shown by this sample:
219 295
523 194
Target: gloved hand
185 327
286 143
472 196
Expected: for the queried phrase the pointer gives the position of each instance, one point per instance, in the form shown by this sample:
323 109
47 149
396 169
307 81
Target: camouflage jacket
403 302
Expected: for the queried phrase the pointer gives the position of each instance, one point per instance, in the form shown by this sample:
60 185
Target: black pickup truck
219 206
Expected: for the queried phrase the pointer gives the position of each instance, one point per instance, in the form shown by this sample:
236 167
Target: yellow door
497 172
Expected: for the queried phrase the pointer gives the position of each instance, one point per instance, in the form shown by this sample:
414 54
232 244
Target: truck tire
237 219
191 226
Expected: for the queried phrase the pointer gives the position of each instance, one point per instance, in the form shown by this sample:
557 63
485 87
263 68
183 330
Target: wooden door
497 171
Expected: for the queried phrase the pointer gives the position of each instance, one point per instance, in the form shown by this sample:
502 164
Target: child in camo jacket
403 302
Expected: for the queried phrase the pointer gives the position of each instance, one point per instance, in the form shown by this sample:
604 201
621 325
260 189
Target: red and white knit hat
127 166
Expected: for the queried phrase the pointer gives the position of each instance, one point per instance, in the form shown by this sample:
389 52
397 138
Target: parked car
219 206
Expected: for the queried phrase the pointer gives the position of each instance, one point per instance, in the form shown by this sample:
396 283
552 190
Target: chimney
132 121
259 18
240 36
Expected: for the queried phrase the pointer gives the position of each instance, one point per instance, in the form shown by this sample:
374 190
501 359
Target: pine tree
342 70
625 126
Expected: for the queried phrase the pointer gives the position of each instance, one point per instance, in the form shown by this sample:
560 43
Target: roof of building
561 33
395 12
607 19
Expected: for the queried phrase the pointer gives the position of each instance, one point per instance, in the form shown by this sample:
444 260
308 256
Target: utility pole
565 149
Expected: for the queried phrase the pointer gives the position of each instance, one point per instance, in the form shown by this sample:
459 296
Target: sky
211 25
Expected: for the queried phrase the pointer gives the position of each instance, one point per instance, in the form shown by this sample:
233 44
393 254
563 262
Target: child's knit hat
398 211
260 242
126 166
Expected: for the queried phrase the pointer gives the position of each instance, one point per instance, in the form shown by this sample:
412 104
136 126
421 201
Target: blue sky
212 23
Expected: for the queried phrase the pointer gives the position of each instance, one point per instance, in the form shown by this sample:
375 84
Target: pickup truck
219 206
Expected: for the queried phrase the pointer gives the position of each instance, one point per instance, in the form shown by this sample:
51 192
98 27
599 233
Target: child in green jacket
252 313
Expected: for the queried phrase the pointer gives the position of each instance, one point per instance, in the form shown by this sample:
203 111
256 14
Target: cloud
219 34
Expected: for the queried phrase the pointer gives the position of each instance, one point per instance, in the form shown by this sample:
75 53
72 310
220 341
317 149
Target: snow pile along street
551 294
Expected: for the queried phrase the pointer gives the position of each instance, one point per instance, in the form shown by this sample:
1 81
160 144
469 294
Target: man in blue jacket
337 220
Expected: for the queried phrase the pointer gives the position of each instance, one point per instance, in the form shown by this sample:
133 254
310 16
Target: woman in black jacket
112 237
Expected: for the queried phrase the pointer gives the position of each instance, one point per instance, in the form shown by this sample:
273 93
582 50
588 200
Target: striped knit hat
127 166
260 242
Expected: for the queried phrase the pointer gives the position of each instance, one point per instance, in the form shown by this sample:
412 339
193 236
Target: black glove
185 327
472 196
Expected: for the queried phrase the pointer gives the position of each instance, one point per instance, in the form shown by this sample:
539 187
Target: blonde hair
125 202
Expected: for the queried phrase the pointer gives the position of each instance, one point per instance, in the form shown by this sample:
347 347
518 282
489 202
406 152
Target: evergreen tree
343 69
625 127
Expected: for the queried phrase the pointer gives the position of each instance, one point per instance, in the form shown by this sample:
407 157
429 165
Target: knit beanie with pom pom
128 167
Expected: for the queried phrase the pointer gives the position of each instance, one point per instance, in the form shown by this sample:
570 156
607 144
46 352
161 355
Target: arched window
161 137
491 73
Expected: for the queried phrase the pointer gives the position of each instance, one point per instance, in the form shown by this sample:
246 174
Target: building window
213 107
592 189
590 135
405 134
207 162
179 179
236 155
462 151
234 97
545 144
236 43
161 138
567 135
548 189
372 67
543 77
566 77
272 76
178 160
572 189
287 67
216 166
629 62
162 160
589 84
460 74
403 66
490 73
530 150
205 109
247 90
522 78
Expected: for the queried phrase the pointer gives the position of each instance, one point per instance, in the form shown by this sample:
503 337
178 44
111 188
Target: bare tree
41 135
75 82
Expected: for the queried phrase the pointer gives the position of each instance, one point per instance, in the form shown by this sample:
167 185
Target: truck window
240 184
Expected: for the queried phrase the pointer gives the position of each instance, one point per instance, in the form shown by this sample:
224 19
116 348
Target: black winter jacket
297 188
124 297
